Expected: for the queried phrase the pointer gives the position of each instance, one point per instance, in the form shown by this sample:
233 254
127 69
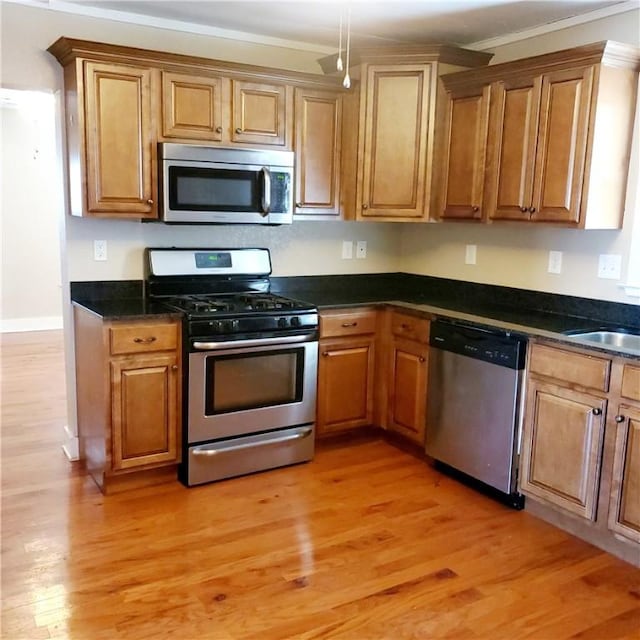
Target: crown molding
558 25
171 25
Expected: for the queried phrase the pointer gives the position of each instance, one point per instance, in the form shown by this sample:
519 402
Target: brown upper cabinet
120 102
398 96
555 145
318 152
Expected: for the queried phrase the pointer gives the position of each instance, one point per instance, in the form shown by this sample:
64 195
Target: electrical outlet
610 266
347 249
470 254
361 249
100 250
555 262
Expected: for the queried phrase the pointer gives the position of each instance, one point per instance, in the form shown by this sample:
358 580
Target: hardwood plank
366 542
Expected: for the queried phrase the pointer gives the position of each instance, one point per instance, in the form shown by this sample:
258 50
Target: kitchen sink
609 338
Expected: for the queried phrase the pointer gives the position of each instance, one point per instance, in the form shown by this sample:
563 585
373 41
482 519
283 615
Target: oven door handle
261 342
305 433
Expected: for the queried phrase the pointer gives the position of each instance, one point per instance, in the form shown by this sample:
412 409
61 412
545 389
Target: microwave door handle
266 191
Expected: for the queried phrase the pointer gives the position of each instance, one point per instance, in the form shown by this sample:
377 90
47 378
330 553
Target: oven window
249 381
197 189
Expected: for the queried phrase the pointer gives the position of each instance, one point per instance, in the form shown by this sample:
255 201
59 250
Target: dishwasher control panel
489 345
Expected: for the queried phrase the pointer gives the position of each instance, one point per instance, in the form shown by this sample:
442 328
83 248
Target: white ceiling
461 22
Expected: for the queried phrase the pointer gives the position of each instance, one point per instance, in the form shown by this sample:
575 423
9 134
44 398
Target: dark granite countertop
527 312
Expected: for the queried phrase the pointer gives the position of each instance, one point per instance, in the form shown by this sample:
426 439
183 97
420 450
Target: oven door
251 386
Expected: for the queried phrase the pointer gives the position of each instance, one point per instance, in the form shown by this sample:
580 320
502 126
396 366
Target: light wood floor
364 543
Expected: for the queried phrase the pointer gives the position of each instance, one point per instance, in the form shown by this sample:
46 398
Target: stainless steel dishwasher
474 404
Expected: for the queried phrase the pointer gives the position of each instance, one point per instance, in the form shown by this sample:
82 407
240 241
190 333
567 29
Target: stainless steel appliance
474 402
220 185
250 384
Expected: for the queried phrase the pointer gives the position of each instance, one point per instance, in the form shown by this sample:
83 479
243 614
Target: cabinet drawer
410 327
569 367
347 323
631 381
141 338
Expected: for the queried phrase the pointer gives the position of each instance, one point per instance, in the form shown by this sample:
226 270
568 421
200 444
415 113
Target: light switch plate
470 253
555 262
610 266
100 250
361 249
347 250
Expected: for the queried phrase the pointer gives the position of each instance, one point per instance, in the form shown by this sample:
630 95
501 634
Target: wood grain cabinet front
346 370
318 145
192 107
556 145
580 459
129 389
111 134
407 366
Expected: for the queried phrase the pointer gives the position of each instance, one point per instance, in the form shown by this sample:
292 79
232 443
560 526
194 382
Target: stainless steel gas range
250 383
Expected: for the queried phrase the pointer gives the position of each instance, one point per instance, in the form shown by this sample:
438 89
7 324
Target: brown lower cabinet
580 462
407 380
128 378
346 370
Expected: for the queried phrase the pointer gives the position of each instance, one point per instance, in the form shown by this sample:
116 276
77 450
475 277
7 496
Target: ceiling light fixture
346 83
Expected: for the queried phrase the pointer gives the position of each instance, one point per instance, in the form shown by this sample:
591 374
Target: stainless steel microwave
227 186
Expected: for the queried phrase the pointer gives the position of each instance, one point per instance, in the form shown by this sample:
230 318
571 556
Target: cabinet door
345 384
318 148
395 117
259 113
514 133
145 410
624 508
191 107
408 389
467 116
562 145
120 158
562 447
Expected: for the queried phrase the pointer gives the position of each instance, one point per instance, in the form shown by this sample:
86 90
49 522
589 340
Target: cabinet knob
421 359
218 129
524 209
405 326
148 340
174 367
238 130
619 419
365 206
325 353
346 325
532 209
475 209
149 201
597 411
299 204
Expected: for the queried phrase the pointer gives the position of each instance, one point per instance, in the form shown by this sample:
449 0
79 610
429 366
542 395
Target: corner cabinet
129 385
581 445
346 370
555 147
398 97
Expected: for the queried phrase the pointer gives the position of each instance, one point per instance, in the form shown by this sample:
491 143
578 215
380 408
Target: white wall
30 213
517 255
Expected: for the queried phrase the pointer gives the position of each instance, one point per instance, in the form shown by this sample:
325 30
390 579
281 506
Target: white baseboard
44 323
71 446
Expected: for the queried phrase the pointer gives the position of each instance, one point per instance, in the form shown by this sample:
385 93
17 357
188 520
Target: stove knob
295 321
282 323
